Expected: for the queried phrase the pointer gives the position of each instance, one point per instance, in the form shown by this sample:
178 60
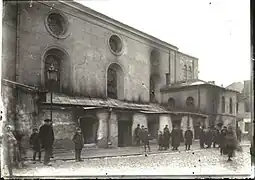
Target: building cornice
195 58
107 20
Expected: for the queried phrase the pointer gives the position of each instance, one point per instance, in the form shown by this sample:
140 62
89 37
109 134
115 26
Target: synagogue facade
109 76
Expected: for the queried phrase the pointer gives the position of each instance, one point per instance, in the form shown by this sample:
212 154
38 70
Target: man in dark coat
209 138
141 135
78 144
202 137
176 138
230 143
239 134
46 136
166 137
160 141
188 138
146 142
137 135
222 139
36 144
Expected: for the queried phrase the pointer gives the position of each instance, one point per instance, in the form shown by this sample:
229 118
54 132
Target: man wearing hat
35 143
78 144
46 136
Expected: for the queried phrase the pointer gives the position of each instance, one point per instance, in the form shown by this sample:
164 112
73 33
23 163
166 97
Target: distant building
243 106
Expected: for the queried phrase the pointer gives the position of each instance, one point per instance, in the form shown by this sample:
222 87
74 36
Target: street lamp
52 76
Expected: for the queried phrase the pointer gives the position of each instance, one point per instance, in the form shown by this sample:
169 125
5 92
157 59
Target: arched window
171 103
190 102
230 106
58 59
185 73
223 104
152 89
115 82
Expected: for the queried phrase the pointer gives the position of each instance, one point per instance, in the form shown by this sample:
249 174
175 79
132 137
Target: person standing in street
78 144
202 137
160 141
176 138
222 139
137 135
141 134
208 137
230 143
166 137
36 144
239 134
146 140
188 138
46 136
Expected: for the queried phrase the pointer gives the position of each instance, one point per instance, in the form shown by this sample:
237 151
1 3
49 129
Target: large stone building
110 77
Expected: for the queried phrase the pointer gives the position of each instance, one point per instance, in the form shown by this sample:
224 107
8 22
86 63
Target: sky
217 32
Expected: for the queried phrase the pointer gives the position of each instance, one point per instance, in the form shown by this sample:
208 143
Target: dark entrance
89 127
124 133
153 125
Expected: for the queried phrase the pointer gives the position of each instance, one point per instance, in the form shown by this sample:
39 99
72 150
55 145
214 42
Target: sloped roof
197 82
62 99
237 86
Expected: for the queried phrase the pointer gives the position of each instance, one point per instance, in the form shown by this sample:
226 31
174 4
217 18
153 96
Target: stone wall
63 126
164 120
114 129
88 50
139 118
102 116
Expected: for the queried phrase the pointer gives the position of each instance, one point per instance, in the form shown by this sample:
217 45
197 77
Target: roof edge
98 15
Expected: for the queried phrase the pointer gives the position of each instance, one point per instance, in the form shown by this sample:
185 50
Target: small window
185 73
223 104
230 106
236 107
246 126
190 102
171 103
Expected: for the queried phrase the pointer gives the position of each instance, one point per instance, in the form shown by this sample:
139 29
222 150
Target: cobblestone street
195 162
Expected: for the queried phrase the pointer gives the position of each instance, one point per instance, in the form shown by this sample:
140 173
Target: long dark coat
202 135
146 137
78 141
176 137
46 135
161 140
166 136
35 141
137 133
230 143
209 138
222 138
188 137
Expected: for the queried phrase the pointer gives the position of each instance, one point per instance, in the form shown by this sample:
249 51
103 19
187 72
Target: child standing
160 141
36 145
79 143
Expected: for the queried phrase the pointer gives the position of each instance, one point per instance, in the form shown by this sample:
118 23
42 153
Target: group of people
142 136
15 144
226 139
175 136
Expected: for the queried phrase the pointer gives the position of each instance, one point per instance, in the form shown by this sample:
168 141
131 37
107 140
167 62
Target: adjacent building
244 106
109 77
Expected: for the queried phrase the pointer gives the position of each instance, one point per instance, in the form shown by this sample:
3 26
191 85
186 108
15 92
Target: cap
47 120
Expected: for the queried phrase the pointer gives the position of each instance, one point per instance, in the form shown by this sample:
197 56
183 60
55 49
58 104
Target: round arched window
171 103
115 44
190 102
57 24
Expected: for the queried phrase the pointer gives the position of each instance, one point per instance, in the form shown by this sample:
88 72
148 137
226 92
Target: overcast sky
217 32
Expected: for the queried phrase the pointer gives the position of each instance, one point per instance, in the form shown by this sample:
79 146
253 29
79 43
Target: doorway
89 127
124 133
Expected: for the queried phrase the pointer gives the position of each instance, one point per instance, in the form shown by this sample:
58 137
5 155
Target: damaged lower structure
111 122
